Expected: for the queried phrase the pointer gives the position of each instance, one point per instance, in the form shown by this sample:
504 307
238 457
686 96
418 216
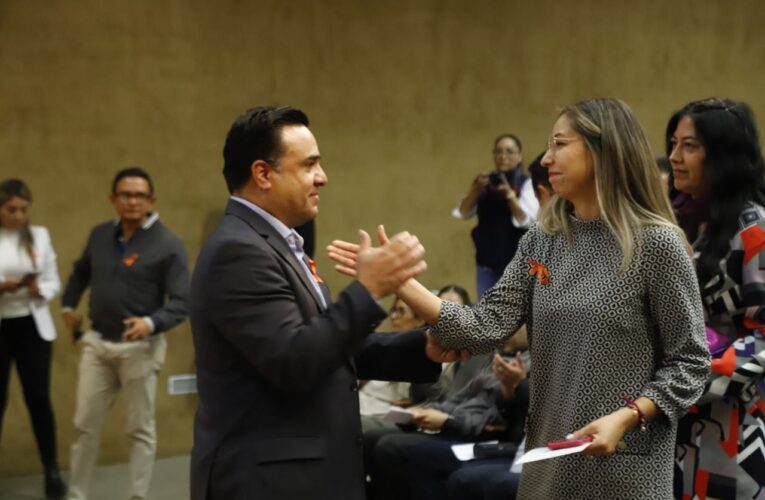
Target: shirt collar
150 220
280 226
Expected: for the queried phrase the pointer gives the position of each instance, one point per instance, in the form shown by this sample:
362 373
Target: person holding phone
505 204
28 281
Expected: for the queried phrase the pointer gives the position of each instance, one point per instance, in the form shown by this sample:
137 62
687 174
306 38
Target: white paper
544 453
464 452
516 467
399 416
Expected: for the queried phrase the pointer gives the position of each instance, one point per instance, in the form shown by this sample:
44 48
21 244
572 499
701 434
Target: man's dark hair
132 172
255 135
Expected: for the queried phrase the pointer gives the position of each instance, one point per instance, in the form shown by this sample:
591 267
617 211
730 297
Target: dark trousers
20 342
489 479
434 473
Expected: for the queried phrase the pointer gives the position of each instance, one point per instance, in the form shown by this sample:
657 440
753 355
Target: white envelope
544 453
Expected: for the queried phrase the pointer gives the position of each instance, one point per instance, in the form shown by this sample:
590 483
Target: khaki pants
105 369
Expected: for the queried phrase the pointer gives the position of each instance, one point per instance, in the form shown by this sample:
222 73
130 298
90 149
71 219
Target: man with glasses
137 272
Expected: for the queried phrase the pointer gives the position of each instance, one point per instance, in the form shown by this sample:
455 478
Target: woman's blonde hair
627 179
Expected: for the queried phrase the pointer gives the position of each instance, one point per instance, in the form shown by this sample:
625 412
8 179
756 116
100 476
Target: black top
495 237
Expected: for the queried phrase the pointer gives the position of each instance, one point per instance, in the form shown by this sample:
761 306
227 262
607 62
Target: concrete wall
404 97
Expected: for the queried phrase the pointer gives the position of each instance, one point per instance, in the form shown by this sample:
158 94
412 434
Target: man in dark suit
277 361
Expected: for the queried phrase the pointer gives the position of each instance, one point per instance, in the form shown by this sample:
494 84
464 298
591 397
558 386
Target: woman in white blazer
28 281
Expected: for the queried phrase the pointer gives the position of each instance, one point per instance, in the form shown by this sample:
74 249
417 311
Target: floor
170 482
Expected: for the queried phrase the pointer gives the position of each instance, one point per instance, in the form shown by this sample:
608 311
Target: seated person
376 397
455 375
481 411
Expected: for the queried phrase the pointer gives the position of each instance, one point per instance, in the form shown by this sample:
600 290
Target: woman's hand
607 432
510 373
428 418
10 285
479 183
34 289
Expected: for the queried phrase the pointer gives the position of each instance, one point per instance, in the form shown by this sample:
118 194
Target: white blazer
47 280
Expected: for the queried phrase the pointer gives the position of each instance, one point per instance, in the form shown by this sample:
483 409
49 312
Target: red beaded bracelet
630 403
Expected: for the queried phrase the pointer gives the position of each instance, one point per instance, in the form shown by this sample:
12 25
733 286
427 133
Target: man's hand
384 269
510 373
428 418
345 255
135 329
438 354
73 322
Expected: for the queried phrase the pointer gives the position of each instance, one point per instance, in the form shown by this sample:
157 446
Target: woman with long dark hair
714 149
28 281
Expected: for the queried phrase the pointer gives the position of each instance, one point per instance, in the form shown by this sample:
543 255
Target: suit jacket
278 414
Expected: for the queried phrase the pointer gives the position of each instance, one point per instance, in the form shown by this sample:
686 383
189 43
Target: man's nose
321 177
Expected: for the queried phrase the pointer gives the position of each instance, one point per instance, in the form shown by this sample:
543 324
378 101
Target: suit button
354 387
360 442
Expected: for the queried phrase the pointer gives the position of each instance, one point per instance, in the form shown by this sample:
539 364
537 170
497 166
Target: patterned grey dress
596 335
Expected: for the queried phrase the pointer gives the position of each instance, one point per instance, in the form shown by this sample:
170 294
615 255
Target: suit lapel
278 243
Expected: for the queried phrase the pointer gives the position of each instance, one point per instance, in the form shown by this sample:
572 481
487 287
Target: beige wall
405 98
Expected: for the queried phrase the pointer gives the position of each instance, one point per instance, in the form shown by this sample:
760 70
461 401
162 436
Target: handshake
382 270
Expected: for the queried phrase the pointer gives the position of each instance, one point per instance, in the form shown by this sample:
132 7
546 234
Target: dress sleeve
484 327
674 304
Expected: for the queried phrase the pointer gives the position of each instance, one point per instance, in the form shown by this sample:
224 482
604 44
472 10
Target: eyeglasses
507 152
555 144
398 311
125 197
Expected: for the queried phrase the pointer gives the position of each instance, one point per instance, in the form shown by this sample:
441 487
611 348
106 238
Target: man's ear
261 172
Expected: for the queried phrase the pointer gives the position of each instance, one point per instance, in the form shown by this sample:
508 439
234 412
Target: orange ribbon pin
312 265
129 261
540 271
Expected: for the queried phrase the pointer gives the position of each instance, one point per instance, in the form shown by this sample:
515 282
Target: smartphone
558 445
29 277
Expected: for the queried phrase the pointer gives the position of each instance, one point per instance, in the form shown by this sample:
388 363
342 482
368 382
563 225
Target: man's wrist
149 322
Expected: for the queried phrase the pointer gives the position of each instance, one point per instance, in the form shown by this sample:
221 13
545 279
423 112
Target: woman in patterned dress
606 288
714 149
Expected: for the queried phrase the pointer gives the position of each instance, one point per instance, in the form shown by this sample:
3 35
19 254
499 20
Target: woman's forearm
421 300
